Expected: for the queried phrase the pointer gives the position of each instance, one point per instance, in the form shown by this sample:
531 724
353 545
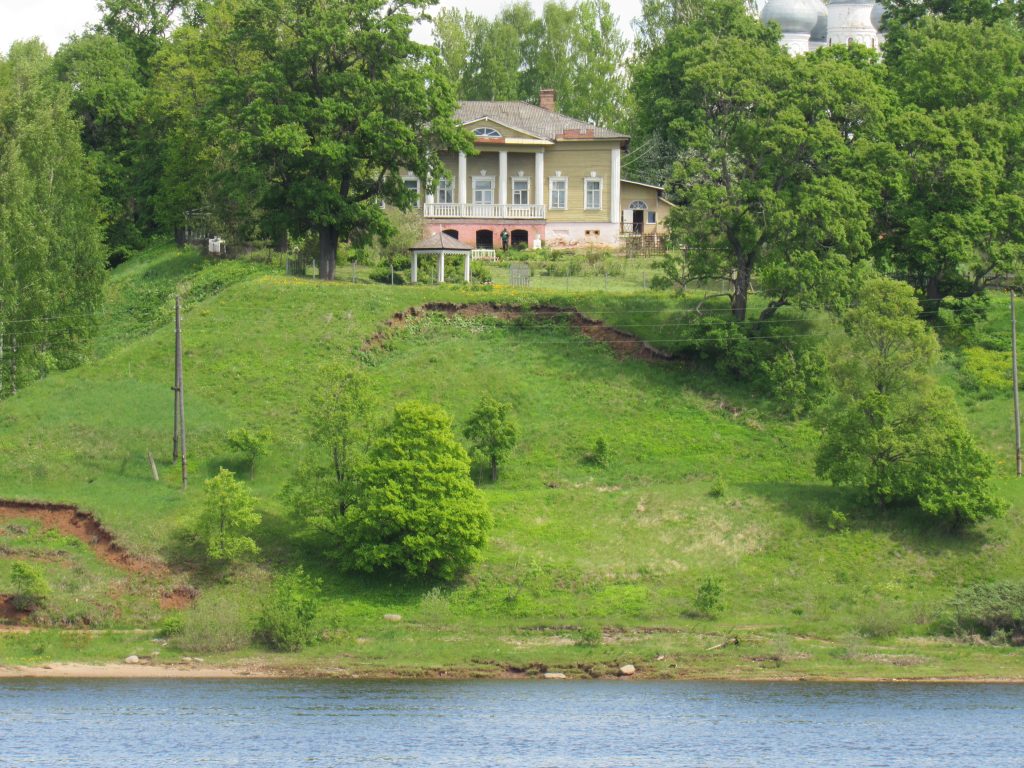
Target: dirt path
624 345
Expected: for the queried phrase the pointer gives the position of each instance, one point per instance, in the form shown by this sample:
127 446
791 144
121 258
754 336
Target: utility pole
177 374
1016 391
180 391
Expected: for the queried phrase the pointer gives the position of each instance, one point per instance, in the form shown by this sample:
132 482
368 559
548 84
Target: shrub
251 443
171 625
589 636
228 516
215 624
418 509
988 609
837 521
717 489
383 275
286 621
708 600
600 454
492 431
985 372
31 589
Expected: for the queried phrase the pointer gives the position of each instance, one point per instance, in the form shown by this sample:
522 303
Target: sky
53 20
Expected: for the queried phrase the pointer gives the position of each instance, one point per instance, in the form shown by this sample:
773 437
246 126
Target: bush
492 431
286 621
600 454
717 489
589 637
985 372
251 443
708 600
383 275
228 516
215 624
171 626
31 589
989 609
418 509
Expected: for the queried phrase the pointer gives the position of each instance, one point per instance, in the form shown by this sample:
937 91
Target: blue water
534 724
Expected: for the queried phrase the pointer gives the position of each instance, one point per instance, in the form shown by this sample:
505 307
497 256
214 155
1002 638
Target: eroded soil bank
624 345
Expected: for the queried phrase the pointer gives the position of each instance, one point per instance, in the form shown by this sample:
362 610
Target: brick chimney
547 99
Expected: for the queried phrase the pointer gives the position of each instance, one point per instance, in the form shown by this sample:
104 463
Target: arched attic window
638 205
486 133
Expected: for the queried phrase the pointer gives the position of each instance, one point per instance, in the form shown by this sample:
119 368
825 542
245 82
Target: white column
616 187
415 265
440 267
539 182
462 178
465 267
503 177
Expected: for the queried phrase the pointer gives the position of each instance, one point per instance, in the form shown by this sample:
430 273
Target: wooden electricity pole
179 391
1016 390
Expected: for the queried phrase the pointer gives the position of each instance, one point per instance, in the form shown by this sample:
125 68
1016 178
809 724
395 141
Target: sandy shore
132 671
148 671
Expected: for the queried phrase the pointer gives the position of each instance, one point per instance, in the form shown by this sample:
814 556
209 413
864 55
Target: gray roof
531 119
441 242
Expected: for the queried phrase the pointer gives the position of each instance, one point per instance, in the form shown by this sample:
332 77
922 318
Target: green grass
575 547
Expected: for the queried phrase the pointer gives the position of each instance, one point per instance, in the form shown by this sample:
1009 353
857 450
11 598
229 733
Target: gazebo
438 245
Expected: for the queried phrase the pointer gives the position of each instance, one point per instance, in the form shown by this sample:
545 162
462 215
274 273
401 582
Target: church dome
876 15
796 17
820 32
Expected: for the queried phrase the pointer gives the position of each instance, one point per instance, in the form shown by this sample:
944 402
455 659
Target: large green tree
778 159
955 218
331 100
51 253
890 429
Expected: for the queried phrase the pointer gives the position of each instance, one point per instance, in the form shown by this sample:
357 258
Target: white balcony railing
480 211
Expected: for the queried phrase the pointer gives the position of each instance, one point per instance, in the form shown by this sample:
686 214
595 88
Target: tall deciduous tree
775 156
492 431
955 219
890 429
51 253
332 99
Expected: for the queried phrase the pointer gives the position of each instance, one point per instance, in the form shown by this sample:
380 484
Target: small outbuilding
441 245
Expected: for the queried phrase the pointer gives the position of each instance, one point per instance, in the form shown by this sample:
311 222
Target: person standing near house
504 240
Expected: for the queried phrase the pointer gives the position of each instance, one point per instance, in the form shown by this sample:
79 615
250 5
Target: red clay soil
9 614
622 344
74 522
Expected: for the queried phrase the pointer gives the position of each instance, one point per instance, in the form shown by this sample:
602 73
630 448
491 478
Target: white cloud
54 20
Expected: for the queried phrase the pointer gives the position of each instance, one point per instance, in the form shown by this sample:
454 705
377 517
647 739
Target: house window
445 191
652 217
559 193
413 185
592 194
483 191
486 133
520 191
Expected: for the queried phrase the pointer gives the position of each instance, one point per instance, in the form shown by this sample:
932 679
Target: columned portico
503 177
462 179
539 183
616 201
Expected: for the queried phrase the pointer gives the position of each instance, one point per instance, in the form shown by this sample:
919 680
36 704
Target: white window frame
445 187
520 180
564 181
405 182
490 182
600 193
486 132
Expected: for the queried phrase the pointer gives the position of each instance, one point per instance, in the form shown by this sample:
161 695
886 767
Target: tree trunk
281 244
494 470
741 290
328 252
179 236
933 294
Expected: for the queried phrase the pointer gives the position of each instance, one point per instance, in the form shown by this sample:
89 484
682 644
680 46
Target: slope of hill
586 568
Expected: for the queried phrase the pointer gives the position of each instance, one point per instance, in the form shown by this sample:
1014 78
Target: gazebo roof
441 242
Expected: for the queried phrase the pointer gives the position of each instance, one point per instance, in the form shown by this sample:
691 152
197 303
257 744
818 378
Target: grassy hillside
578 552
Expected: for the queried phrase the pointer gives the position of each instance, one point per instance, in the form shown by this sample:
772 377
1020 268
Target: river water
525 724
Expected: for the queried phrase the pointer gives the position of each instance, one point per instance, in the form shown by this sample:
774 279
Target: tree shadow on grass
813 503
